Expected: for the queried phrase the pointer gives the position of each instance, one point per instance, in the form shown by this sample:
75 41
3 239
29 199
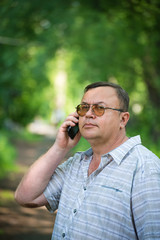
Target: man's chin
89 136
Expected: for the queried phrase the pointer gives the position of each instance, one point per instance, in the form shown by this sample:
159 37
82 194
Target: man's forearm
38 176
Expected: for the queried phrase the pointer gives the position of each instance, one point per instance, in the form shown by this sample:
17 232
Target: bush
7 155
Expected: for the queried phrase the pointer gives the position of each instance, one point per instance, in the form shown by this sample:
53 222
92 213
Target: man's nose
90 112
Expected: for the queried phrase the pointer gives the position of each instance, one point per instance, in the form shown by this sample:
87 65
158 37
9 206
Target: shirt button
85 188
63 235
75 210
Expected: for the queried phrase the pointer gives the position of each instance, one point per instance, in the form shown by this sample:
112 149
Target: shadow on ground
16 222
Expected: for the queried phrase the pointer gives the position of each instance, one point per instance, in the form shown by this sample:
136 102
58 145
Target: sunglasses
97 109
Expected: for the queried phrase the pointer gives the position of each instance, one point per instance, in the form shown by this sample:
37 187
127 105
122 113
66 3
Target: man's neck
100 148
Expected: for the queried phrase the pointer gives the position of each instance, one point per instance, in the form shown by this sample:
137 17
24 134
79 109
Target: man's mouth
89 125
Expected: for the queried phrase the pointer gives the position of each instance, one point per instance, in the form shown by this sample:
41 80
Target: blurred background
49 51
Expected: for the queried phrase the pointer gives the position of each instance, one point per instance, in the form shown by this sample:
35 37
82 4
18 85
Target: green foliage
6 197
26 46
7 155
119 42
99 41
82 145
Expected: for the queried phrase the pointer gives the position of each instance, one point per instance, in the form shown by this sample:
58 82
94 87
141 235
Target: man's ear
124 117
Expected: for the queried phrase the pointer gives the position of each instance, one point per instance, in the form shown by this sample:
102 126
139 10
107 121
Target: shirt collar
118 153
87 154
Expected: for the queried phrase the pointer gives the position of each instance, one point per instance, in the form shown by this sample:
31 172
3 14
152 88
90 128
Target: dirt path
16 222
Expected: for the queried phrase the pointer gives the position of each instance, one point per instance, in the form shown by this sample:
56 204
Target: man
109 192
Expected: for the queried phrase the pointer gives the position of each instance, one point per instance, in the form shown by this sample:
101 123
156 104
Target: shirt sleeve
53 190
146 202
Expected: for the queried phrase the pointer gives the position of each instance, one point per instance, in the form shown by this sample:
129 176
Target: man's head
103 112
121 93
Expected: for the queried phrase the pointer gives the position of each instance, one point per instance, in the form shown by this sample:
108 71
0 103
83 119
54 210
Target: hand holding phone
72 131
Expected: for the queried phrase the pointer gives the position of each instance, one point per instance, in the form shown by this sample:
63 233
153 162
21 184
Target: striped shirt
120 200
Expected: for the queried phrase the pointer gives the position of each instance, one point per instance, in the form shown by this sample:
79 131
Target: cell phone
72 131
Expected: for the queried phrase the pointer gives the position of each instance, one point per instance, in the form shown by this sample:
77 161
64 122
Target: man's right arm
29 193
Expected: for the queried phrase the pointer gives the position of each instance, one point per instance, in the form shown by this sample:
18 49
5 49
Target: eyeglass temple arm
119 110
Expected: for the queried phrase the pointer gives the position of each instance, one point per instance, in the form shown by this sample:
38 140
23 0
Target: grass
6 197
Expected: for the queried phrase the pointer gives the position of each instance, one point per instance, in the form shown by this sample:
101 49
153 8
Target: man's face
107 126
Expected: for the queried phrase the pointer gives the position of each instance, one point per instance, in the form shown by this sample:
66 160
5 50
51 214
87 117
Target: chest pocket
108 195
113 187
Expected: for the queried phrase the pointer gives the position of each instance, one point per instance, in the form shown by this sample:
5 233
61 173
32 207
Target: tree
103 40
121 40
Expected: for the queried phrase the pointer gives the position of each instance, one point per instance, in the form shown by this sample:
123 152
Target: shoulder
72 161
148 162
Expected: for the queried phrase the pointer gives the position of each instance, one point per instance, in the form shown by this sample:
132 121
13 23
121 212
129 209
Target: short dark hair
121 93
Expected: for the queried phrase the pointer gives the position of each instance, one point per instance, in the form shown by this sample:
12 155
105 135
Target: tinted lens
82 109
98 110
